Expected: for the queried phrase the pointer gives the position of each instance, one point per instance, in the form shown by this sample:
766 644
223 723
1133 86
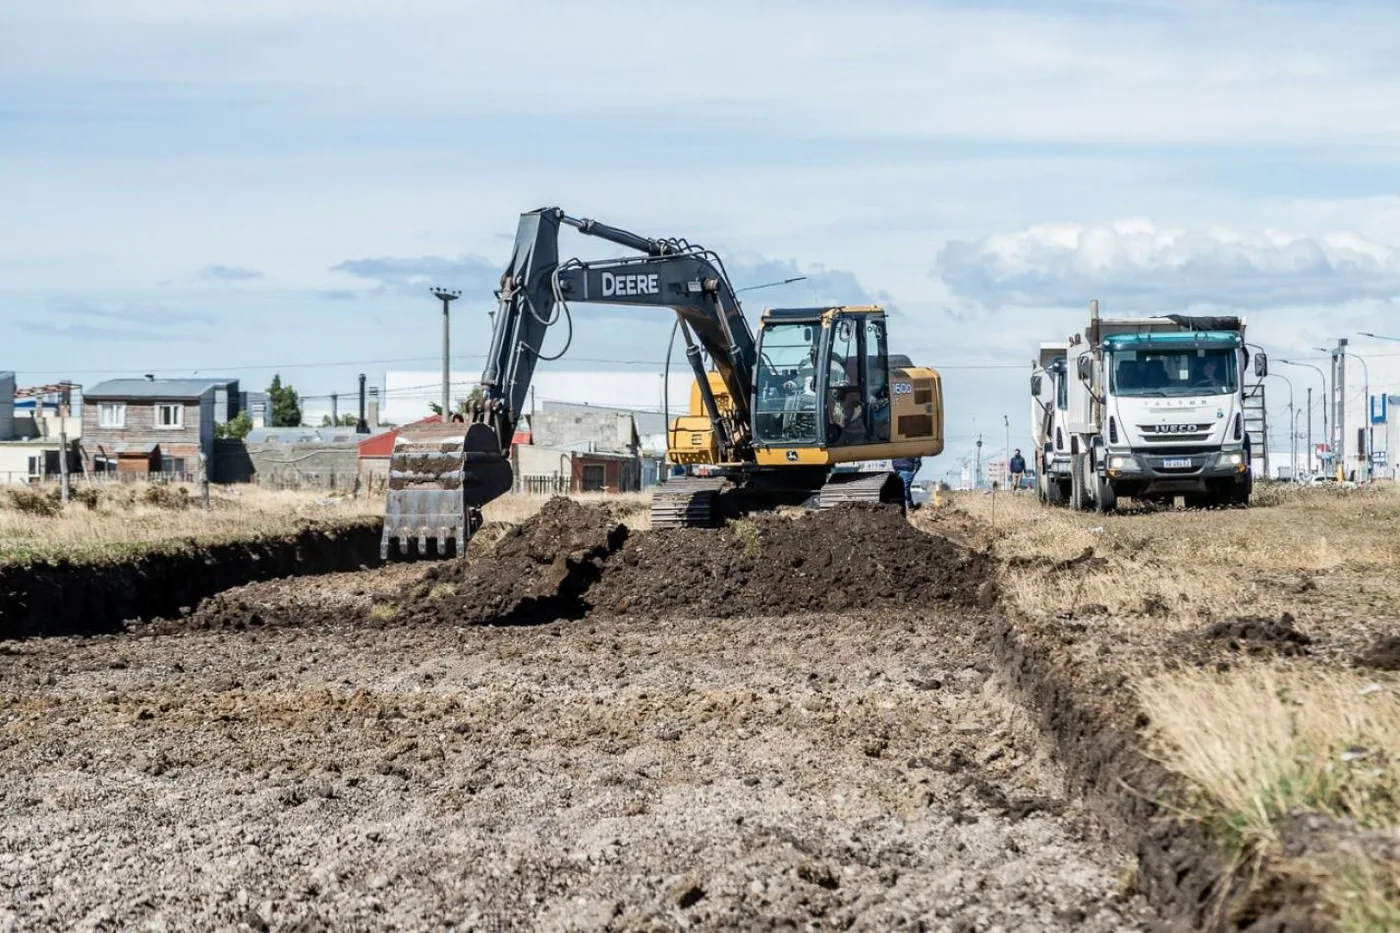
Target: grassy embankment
1294 760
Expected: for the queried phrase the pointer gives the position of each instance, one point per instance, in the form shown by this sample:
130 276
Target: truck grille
1181 450
1152 434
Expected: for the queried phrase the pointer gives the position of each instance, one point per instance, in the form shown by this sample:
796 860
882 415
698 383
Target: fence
552 485
109 478
328 480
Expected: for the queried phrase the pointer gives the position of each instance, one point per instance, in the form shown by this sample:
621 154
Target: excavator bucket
440 475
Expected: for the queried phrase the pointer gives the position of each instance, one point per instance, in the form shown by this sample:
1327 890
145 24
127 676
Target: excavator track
686 502
874 488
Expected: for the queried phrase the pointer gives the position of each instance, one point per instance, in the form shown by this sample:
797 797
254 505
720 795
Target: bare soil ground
994 717
333 754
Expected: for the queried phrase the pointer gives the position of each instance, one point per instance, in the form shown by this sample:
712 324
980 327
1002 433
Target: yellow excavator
778 417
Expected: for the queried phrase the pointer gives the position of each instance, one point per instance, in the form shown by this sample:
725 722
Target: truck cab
1049 404
1156 410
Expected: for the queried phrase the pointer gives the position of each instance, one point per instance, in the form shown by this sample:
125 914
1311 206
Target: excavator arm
537 289
440 477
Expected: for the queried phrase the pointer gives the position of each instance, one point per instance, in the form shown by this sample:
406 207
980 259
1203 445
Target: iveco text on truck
1156 410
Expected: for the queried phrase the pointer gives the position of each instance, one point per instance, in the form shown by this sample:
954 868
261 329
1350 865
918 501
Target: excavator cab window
857 403
785 404
845 402
877 381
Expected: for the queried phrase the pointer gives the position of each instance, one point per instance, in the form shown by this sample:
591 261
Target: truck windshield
1170 372
785 410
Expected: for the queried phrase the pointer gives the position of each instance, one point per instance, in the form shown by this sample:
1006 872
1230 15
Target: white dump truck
1155 410
1049 405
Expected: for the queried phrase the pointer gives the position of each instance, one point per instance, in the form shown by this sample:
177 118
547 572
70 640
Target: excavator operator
845 404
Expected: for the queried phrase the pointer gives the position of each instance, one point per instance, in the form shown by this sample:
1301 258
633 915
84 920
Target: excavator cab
822 379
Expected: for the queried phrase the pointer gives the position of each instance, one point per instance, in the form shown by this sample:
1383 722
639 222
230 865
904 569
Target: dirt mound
1383 655
537 572
1256 634
844 558
573 559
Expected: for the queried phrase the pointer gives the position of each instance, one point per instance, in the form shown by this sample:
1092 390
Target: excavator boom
441 476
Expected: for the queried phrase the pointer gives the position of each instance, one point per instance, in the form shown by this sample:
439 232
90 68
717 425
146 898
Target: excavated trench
880 616
66 598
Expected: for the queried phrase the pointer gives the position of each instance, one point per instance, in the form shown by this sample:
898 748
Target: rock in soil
1256 635
1383 655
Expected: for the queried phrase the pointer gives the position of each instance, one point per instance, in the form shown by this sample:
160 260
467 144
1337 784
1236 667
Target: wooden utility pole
63 482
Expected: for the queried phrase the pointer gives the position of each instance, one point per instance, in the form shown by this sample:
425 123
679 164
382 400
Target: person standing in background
907 467
1017 469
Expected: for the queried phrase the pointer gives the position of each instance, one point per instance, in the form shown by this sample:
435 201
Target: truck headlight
1116 463
1235 459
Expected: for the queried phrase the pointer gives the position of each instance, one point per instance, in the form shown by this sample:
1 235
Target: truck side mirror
1085 368
1261 364
1035 386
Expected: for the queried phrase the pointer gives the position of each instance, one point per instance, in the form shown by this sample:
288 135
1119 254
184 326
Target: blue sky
198 186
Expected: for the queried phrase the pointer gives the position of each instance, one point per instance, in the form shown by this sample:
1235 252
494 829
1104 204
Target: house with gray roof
150 425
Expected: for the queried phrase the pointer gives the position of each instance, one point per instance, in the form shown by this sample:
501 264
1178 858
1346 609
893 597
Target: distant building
7 405
31 429
409 394
592 450
150 425
650 426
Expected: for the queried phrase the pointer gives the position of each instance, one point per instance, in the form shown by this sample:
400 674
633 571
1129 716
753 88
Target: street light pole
1309 447
1366 392
1326 402
1294 438
446 296
1339 400
1292 451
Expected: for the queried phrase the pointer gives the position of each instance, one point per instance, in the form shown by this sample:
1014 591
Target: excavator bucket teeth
439 478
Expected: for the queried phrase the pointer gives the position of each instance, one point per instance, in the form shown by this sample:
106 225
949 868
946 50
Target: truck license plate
1177 463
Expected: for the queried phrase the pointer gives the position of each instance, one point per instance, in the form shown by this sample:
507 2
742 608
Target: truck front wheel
1240 492
1105 499
1077 491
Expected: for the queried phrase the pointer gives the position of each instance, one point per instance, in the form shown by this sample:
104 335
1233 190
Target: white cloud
1138 264
1172 72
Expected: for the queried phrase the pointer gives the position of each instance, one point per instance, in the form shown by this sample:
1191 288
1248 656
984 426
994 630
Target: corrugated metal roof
135 448
154 388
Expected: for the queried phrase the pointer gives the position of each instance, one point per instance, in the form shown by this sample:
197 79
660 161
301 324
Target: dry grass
1267 741
123 520
129 518
1197 563
1263 746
